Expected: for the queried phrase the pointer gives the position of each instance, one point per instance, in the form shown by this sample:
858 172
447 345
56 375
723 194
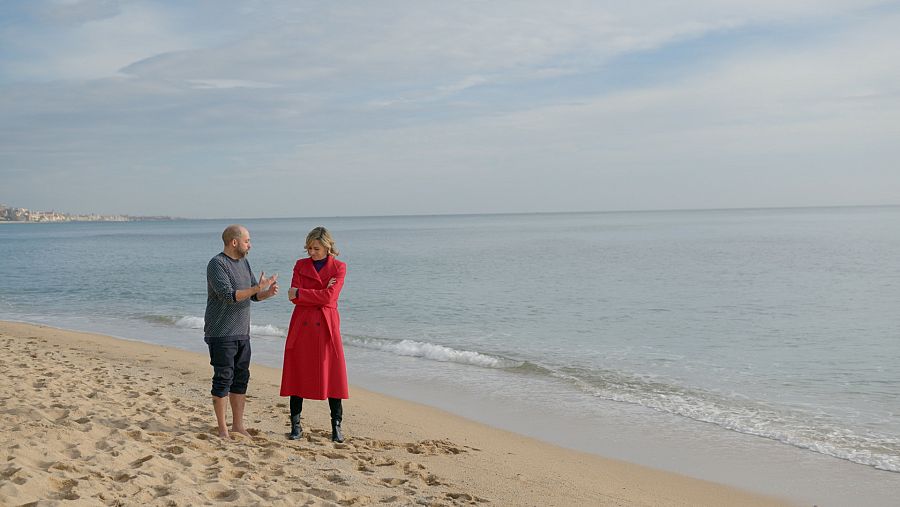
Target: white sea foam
192 322
792 427
267 330
434 352
189 322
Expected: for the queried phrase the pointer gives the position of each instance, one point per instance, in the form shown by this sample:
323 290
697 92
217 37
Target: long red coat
313 353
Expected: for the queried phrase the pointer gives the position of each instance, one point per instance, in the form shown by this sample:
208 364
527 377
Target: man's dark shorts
231 367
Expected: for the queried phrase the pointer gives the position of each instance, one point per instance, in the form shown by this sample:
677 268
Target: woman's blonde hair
322 235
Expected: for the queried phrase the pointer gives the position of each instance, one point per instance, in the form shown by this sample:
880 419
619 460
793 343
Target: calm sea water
780 324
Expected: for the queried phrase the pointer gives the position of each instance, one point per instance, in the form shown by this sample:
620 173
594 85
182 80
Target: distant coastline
13 215
81 221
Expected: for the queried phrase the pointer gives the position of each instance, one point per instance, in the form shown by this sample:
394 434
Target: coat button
318 323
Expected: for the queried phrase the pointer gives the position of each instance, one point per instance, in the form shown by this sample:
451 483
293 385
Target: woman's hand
292 293
331 282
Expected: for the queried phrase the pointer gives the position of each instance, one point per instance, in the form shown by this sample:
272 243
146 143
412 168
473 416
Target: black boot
337 414
296 408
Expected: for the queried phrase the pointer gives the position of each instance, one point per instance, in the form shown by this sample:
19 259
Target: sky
220 108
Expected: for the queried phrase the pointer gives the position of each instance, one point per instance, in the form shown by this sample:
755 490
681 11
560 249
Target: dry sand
93 420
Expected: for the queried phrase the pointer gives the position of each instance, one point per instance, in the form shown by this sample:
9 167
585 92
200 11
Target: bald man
230 287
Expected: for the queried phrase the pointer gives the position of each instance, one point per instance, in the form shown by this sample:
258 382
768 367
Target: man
230 286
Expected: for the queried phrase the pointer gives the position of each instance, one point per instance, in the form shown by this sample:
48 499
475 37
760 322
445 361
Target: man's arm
218 280
217 277
266 288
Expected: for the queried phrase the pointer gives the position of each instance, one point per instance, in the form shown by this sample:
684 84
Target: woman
313 353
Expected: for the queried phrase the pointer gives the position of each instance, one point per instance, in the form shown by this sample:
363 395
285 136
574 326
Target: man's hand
264 282
268 287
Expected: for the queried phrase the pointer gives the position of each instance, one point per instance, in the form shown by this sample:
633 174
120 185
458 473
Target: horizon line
570 212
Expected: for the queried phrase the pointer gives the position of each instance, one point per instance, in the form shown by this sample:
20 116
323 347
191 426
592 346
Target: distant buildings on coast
10 214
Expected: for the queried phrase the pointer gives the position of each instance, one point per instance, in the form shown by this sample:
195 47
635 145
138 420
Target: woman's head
320 244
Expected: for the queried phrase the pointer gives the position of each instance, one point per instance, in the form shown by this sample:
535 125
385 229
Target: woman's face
316 250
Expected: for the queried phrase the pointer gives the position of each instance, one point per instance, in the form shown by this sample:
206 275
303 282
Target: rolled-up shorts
231 367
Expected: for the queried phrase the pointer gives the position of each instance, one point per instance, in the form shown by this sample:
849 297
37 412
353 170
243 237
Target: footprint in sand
378 445
9 472
336 479
140 461
212 473
59 416
433 480
123 477
393 482
118 424
63 489
12 474
228 495
207 461
245 464
410 467
433 447
385 462
269 454
465 497
72 453
417 471
237 474
326 494
161 491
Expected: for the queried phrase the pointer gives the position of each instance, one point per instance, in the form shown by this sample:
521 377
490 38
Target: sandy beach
95 420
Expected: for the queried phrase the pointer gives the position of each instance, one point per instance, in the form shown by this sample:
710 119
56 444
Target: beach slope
93 420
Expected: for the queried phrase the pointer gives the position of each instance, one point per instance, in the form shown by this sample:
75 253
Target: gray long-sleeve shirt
227 319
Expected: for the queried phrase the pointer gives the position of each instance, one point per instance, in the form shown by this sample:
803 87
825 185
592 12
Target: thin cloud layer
436 107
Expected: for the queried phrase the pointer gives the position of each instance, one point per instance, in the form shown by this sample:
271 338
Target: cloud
438 107
774 127
86 40
223 84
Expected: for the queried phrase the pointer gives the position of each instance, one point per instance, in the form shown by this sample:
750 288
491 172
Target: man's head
237 241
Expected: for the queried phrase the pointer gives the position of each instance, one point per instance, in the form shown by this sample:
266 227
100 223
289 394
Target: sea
755 347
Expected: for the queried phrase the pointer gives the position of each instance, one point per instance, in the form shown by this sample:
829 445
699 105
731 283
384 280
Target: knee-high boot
337 414
296 408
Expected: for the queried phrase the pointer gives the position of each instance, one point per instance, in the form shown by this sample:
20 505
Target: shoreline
103 419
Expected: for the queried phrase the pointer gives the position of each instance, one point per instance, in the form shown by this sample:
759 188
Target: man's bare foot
223 434
242 431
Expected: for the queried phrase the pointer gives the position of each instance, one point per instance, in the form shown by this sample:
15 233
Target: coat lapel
329 270
307 270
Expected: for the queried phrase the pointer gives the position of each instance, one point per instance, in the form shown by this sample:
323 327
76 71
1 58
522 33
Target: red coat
313 353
